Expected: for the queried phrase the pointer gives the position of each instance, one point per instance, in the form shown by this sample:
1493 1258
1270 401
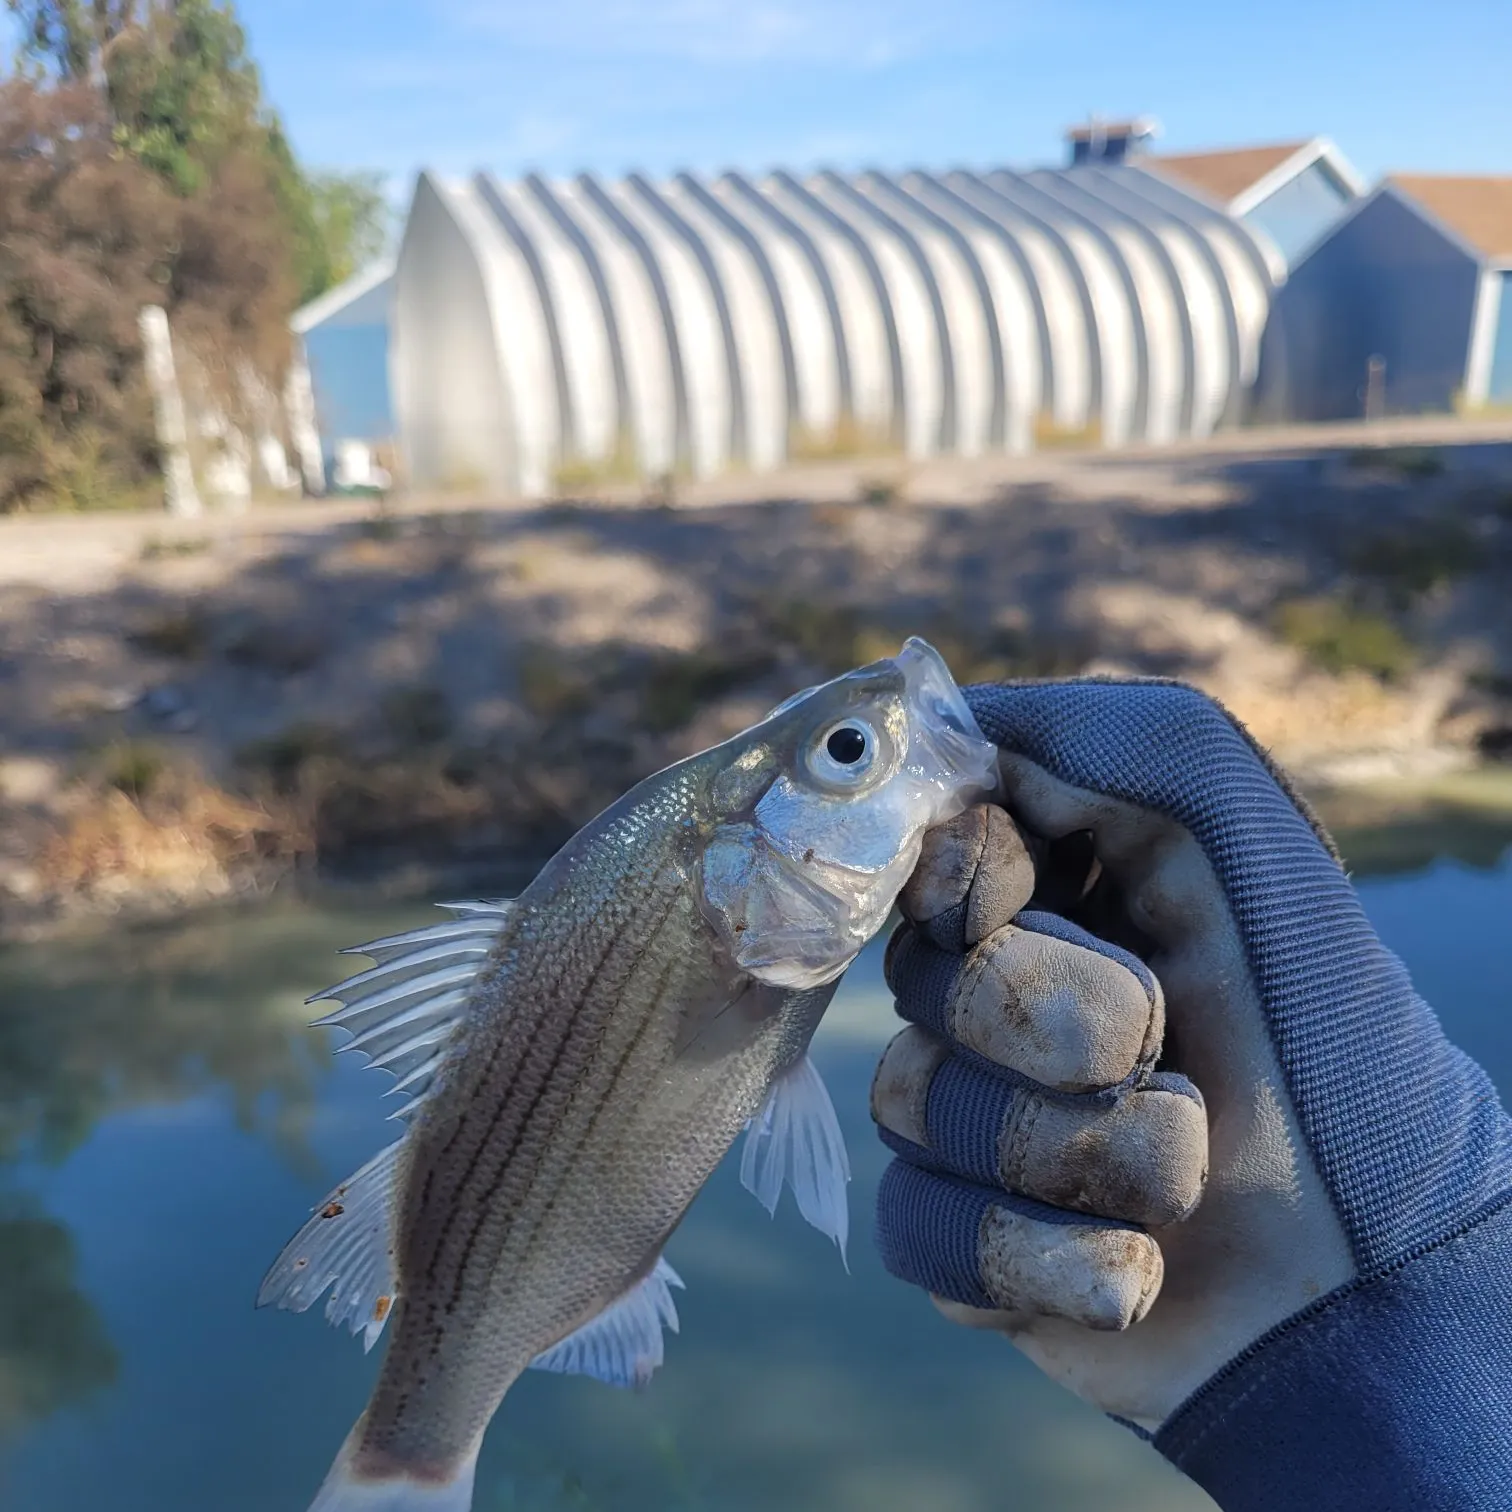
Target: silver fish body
649 996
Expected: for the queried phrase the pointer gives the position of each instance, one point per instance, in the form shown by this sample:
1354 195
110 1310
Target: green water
166 1119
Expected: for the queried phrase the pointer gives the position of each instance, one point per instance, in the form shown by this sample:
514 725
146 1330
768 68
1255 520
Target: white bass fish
578 1062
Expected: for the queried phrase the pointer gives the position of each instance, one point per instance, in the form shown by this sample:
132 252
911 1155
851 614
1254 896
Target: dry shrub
184 840
88 236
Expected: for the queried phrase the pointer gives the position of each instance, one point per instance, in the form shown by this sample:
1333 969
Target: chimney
1100 141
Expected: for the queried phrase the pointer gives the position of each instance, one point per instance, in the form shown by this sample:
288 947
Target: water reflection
53 1347
166 1116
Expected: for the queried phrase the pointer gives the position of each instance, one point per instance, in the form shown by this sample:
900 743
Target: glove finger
986 1249
1048 1001
1141 1157
973 874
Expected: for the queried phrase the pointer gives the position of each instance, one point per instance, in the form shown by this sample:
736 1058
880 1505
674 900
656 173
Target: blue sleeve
1393 1393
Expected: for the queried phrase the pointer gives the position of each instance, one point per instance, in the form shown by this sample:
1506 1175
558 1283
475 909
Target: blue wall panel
1385 285
1500 391
1299 212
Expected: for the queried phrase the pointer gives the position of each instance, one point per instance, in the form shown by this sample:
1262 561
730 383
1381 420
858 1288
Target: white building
543 335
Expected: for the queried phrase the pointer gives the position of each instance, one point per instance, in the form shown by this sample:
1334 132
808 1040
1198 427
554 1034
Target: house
1406 300
1291 192
345 338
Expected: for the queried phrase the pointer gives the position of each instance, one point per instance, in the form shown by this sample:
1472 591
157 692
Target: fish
575 1063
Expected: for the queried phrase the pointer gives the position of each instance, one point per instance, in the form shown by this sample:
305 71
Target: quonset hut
545 333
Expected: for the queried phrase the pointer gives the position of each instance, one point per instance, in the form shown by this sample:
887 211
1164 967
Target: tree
139 165
185 100
352 218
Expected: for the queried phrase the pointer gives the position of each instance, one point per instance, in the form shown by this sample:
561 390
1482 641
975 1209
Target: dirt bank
193 709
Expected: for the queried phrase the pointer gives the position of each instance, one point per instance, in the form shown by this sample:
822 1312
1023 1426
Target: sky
607 85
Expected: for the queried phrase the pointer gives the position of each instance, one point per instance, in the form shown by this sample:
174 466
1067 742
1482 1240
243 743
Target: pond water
166 1119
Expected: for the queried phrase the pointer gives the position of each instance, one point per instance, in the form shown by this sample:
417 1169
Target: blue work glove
1330 1325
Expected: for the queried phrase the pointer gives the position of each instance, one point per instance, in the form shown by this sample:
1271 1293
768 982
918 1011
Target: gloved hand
1331 1324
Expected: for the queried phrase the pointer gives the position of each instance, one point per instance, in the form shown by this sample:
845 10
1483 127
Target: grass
1339 636
156 548
282 649
845 441
582 474
1411 463
417 716
160 827
878 491
1051 435
553 683
133 767
835 637
1417 559
282 758
677 686
181 634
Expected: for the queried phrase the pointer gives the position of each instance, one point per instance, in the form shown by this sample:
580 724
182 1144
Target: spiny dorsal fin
402 1012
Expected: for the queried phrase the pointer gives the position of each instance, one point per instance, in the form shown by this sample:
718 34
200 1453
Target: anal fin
795 1140
623 1345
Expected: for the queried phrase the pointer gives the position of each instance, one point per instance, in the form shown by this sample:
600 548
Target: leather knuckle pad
984 1249
1141 1157
974 873
1052 1009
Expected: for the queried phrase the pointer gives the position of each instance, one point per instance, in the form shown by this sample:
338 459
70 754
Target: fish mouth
946 745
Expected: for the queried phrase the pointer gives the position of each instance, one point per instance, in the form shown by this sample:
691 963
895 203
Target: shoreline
195 711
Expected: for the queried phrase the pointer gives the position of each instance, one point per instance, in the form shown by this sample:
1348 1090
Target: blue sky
563 85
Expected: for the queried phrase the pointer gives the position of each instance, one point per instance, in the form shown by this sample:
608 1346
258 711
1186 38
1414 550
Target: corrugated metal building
542 335
1405 308
544 331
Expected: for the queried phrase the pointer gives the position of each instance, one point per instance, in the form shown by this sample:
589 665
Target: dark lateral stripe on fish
517 1166
655 1013
500 1149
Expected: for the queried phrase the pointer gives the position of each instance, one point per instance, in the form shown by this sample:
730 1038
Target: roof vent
1100 141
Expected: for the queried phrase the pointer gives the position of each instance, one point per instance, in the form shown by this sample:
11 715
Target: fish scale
652 993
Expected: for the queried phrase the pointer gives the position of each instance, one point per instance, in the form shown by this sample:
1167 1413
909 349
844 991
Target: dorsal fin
403 1011
348 1245
401 1014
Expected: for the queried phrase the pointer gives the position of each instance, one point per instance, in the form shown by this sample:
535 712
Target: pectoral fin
796 1139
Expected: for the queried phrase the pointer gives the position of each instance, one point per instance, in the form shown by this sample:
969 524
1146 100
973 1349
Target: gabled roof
1239 178
1477 210
325 306
1225 175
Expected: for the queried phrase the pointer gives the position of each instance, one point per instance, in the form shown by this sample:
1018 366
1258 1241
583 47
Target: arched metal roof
546 329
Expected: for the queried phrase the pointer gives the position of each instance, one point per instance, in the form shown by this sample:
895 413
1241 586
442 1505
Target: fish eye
846 744
843 755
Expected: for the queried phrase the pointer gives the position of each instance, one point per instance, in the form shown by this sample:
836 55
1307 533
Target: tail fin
345 1492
